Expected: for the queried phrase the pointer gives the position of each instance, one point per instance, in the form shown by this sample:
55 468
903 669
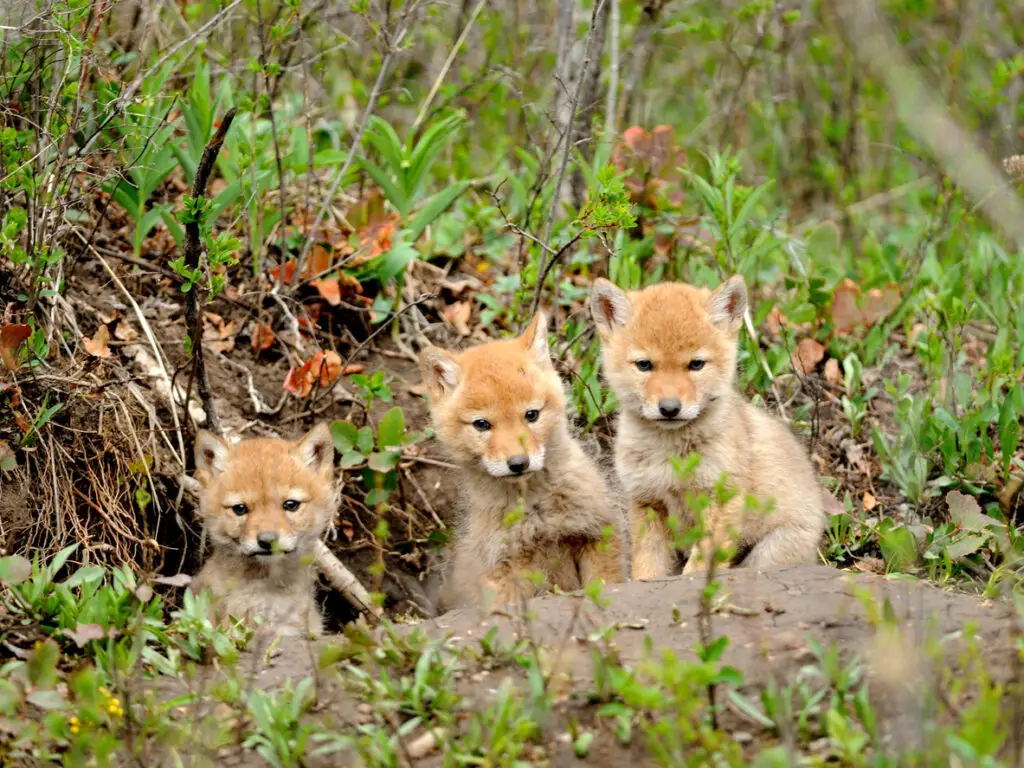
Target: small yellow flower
75 725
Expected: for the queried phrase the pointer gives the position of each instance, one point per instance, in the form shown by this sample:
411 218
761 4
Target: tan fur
670 325
245 579
566 509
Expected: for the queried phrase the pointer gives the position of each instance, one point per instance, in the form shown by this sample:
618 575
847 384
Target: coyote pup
499 409
264 504
669 353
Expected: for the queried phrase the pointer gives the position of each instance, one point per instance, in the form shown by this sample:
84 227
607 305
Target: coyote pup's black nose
266 539
669 408
519 464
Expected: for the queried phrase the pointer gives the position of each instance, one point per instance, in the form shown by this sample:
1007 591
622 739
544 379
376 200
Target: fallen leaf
11 337
832 373
218 335
457 316
353 368
965 511
879 302
289 272
124 332
775 320
869 502
7 459
177 580
83 633
144 593
1006 496
262 337
322 369
320 260
329 290
807 356
846 312
870 565
346 530
97 345
831 504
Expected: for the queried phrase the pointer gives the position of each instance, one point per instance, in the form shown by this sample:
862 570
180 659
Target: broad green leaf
365 441
88 574
345 435
351 459
391 431
388 265
383 461
434 207
899 548
394 194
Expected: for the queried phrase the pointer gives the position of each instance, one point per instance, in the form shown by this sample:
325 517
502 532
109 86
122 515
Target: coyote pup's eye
240 509
481 425
696 365
532 415
290 505
644 365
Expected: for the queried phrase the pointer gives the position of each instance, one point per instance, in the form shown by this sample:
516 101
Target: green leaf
434 207
431 144
345 435
61 557
391 191
714 651
383 461
351 459
150 220
365 441
741 218
899 548
173 225
387 143
388 265
391 431
376 496
89 574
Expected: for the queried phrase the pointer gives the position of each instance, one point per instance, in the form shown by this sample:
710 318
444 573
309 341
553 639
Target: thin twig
564 164
357 140
193 250
447 64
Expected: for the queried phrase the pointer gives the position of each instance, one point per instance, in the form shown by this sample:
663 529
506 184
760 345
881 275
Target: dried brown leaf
457 316
12 336
97 346
832 373
807 355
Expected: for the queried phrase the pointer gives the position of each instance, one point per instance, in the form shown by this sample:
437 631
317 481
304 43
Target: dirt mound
905 635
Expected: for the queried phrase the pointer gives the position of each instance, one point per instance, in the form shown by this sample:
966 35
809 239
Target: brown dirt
769 618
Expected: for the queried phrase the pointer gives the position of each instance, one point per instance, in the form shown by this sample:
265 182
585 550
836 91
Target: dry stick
564 164
613 74
955 149
448 64
193 250
342 579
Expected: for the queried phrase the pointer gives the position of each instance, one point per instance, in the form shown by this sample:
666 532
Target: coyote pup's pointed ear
316 448
211 455
609 306
727 305
535 338
441 371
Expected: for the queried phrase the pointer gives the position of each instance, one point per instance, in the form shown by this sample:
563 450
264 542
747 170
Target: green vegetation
397 172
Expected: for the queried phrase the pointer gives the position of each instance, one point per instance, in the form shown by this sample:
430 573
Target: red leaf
329 290
262 337
289 272
11 337
846 313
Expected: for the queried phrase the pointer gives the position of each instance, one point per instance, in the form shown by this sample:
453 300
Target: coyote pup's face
670 349
263 497
495 405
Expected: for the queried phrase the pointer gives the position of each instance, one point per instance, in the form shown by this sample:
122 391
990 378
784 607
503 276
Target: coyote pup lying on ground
499 409
264 504
669 353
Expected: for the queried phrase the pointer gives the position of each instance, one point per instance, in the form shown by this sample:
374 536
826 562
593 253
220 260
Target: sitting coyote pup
265 503
499 409
669 353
